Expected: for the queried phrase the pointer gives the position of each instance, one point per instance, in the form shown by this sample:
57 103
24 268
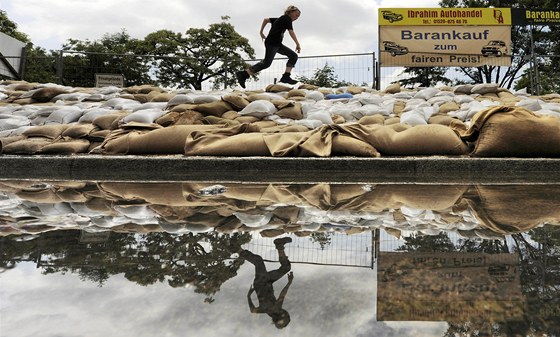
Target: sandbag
513 132
71 146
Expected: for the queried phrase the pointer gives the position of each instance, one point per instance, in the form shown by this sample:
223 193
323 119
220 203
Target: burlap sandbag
80 130
343 145
238 102
46 94
513 132
4 141
215 144
30 145
430 139
110 121
517 208
51 131
292 111
70 146
169 140
216 108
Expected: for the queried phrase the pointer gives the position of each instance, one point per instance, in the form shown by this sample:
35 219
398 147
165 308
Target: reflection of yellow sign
428 46
444 16
451 286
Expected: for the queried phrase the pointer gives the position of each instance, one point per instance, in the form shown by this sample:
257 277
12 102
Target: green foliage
425 77
9 28
113 53
520 44
324 77
187 60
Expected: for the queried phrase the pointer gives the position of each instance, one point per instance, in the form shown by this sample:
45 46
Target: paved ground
285 170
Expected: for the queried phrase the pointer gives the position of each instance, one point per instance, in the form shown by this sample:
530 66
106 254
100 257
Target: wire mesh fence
79 69
323 248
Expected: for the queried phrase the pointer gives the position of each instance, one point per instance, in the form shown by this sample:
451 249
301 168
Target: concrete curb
434 169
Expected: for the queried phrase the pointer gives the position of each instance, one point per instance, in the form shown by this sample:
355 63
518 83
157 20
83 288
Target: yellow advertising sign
430 46
452 287
444 16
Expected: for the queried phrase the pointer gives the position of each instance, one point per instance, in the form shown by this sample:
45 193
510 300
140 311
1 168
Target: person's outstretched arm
263 24
251 305
294 37
284 291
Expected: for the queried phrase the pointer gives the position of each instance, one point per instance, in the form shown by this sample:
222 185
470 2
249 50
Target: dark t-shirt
279 26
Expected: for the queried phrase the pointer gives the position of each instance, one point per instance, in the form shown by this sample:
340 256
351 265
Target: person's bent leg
292 60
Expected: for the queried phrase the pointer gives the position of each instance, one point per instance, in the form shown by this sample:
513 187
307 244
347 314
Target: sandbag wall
478 120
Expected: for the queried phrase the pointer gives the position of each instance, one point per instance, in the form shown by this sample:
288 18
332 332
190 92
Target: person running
273 45
264 279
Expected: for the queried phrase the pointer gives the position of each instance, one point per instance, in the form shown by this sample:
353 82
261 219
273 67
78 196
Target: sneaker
280 242
242 76
287 79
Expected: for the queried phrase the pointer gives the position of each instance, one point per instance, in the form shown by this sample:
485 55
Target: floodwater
199 259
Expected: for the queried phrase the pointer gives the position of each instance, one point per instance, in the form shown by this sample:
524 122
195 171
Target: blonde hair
291 9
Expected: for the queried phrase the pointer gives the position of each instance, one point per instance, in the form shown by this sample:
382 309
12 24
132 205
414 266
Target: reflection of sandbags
429 197
517 208
159 194
513 132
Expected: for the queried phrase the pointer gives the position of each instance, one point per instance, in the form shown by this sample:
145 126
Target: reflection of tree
428 243
322 238
201 260
539 252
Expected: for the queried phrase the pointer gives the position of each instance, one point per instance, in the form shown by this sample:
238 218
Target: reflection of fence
324 248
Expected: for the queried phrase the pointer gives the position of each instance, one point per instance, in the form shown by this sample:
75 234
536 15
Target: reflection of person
262 284
273 45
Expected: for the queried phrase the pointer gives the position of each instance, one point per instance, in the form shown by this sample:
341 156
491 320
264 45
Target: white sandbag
485 88
254 220
120 103
180 99
345 109
204 98
314 95
90 115
8 122
367 98
310 123
72 97
460 99
259 108
66 115
530 104
413 117
150 105
109 90
427 93
146 116
320 115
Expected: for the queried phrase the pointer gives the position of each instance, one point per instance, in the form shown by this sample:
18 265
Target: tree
425 76
9 28
187 60
324 77
113 53
520 44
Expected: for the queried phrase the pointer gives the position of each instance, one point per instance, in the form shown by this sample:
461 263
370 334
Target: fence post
59 70
22 63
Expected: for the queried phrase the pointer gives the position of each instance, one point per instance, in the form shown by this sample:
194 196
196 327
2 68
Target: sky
325 27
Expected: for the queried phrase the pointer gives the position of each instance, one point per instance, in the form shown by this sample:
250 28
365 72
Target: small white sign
109 80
